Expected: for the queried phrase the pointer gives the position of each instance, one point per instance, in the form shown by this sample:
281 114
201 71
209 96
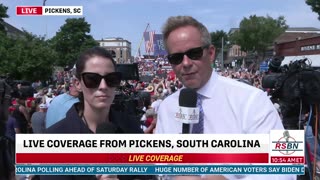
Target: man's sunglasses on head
93 80
194 54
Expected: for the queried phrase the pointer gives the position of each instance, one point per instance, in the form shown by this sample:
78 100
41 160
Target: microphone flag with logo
187 112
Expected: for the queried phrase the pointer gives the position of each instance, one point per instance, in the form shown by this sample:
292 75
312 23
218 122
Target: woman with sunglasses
97 80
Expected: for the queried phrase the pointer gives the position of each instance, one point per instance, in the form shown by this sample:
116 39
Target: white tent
313 59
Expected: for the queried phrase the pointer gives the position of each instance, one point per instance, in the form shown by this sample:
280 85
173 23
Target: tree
28 57
5 44
3 14
216 39
257 33
315 6
71 40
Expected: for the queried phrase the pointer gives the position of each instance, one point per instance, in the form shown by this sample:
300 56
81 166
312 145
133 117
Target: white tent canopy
313 59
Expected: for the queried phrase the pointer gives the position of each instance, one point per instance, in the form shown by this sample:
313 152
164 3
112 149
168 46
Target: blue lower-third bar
157 169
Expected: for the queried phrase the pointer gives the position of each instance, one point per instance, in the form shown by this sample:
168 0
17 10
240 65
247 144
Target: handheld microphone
106 128
188 112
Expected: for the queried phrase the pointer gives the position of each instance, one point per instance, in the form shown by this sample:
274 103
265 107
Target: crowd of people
56 98
80 100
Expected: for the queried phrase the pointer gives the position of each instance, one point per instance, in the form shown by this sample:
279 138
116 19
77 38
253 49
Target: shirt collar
208 89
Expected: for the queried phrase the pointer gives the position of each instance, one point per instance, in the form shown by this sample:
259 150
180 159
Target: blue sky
129 18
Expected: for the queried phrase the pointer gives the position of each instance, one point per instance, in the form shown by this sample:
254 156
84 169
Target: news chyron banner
49 10
280 152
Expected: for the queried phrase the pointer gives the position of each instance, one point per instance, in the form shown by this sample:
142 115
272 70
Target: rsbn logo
287 145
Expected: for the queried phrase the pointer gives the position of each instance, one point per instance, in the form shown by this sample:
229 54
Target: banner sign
154 44
149 42
264 66
159 49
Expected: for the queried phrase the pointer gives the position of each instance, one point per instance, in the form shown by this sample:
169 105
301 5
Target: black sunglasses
93 80
194 54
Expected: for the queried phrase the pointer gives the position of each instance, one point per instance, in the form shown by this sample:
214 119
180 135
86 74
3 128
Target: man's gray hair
175 22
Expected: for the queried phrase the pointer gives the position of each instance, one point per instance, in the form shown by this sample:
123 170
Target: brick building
295 43
119 47
299 45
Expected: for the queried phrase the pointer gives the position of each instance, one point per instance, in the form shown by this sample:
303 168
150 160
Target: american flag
149 36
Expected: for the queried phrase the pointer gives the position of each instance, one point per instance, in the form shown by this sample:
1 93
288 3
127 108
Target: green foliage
3 14
216 40
5 45
257 33
71 40
315 6
31 57
28 57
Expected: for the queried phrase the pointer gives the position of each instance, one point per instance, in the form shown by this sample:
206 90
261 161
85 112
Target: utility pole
46 35
222 53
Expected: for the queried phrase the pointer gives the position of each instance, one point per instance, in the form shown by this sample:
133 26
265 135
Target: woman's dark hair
81 62
89 53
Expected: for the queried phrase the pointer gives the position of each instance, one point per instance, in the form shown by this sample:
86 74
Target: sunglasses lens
113 79
91 80
195 53
175 58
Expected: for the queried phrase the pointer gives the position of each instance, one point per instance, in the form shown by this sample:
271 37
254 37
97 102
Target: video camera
127 99
294 86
